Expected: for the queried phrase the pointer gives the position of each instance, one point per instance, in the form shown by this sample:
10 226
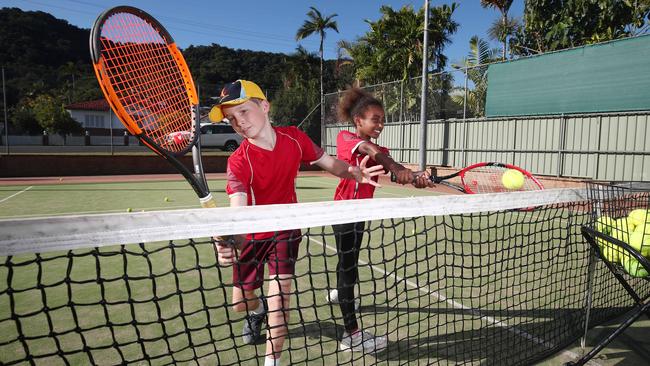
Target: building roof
91 105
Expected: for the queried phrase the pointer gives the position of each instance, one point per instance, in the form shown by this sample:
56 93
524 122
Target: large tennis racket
485 178
148 85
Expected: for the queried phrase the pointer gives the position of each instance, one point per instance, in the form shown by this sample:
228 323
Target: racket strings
487 179
147 80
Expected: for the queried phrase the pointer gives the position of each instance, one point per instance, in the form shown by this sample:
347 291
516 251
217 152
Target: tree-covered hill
47 59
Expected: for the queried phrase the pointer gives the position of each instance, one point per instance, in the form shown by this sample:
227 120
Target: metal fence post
401 118
600 131
514 142
423 100
561 137
4 106
464 151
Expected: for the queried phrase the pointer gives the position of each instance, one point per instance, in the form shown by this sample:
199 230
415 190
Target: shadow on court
439 338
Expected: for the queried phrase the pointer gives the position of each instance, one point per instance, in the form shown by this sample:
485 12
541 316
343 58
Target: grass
68 199
488 289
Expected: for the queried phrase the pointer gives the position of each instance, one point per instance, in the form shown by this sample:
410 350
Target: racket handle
208 201
393 177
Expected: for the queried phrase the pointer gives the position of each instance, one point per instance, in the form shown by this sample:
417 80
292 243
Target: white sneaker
333 298
362 342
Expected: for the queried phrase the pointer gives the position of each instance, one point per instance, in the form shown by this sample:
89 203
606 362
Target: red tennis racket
148 85
487 178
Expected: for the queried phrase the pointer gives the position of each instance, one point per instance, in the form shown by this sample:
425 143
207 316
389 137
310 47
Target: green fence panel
608 77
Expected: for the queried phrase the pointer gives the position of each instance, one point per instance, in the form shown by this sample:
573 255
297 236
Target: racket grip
393 177
208 201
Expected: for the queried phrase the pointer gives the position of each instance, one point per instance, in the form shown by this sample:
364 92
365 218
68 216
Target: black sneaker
253 326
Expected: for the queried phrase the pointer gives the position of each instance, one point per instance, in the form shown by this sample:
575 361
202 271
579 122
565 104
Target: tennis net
463 279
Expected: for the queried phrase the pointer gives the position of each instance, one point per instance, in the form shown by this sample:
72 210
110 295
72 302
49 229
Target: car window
224 129
217 129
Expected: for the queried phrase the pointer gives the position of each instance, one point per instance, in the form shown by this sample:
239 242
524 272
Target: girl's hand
421 180
405 176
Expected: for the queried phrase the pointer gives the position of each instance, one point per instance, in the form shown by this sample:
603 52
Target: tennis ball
640 242
610 251
644 228
412 231
622 229
166 199
638 216
512 179
129 209
604 224
633 267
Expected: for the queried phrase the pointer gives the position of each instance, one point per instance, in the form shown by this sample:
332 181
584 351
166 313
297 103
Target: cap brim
216 114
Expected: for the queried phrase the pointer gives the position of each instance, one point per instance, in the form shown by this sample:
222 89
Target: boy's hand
227 253
364 175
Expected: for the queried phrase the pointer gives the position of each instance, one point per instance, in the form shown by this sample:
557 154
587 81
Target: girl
367 115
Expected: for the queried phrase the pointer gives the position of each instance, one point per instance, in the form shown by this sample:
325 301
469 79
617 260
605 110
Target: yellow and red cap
235 93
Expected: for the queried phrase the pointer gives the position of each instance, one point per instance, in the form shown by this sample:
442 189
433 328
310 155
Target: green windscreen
613 76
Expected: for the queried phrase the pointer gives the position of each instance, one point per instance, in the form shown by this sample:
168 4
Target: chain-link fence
607 146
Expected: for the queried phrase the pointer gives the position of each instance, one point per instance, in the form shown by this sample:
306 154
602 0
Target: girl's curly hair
355 103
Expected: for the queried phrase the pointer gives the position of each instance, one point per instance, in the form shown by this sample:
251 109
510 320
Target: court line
441 297
146 209
17 193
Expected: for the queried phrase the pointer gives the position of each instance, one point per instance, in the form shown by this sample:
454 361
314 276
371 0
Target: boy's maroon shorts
280 252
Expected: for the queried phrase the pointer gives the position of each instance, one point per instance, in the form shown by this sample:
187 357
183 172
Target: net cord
39 235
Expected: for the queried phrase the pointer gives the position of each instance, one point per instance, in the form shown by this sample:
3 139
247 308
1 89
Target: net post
590 276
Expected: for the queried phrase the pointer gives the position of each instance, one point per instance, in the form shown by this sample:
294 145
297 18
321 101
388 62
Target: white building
96 117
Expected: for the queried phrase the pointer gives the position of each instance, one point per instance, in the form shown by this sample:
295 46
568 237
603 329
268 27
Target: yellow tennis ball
129 209
644 228
638 216
640 242
622 229
610 251
604 224
512 179
633 267
166 199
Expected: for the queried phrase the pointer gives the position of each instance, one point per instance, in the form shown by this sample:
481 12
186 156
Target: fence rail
604 146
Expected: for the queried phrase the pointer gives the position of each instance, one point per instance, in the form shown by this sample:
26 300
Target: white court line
17 193
134 210
439 296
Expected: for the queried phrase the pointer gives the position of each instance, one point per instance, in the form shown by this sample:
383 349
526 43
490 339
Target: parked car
220 135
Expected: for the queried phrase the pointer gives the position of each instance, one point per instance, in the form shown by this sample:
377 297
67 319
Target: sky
269 25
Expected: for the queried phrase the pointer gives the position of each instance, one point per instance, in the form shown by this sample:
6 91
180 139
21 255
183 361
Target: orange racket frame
148 85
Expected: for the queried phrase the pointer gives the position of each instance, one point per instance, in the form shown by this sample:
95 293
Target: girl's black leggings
348 241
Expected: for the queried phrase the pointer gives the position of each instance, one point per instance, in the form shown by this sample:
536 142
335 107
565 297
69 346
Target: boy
262 171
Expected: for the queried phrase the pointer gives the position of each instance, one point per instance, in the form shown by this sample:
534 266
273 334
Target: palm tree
316 23
476 65
501 30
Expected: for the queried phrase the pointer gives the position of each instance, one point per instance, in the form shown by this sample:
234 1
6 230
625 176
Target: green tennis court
94 198
476 288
